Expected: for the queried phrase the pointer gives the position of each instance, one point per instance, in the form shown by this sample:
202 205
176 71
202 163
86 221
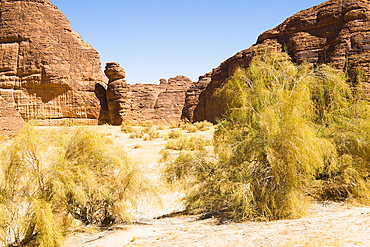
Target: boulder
335 32
114 71
47 72
162 81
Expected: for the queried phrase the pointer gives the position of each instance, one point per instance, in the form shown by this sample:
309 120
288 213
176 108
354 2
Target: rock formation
162 81
46 70
11 122
192 97
114 71
141 102
335 32
170 103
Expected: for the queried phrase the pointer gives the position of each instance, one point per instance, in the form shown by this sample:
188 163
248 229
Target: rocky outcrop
11 122
170 103
46 70
335 32
192 98
114 71
162 81
144 102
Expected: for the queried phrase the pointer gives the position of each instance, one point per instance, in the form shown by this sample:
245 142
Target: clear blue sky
154 39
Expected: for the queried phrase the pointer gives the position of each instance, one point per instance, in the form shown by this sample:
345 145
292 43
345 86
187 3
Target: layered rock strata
144 102
11 122
46 70
336 32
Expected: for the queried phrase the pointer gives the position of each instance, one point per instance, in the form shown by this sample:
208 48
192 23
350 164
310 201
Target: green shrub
190 128
101 184
289 132
343 117
66 123
47 179
161 127
151 135
269 152
203 126
185 143
174 134
27 215
182 166
136 135
173 125
127 127
146 124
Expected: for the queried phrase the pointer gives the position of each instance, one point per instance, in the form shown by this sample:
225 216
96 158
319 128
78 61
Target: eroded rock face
192 97
170 103
46 70
336 32
11 122
141 102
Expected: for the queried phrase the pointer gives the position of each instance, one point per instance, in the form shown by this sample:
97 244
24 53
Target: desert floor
326 223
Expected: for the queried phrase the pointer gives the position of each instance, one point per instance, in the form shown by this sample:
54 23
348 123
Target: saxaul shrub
189 127
185 143
343 117
127 127
290 132
174 134
136 135
181 167
268 150
146 126
151 135
203 125
46 180
100 185
161 127
28 214
173 125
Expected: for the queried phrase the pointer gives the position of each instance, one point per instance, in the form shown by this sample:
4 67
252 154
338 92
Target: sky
154 39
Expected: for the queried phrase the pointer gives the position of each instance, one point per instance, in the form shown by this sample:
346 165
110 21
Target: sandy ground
326 224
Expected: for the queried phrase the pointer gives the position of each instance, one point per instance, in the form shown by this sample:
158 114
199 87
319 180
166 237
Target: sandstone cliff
336 32
144 102
46 70
11 122
192 98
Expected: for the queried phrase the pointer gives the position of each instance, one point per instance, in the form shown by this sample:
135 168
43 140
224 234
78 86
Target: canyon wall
11 122
335 32
47 72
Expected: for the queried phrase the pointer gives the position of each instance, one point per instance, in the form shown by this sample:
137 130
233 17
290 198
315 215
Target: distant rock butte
47 72
161 103
11 122
336 32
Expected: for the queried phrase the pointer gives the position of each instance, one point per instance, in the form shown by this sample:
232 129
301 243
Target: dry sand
326 224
